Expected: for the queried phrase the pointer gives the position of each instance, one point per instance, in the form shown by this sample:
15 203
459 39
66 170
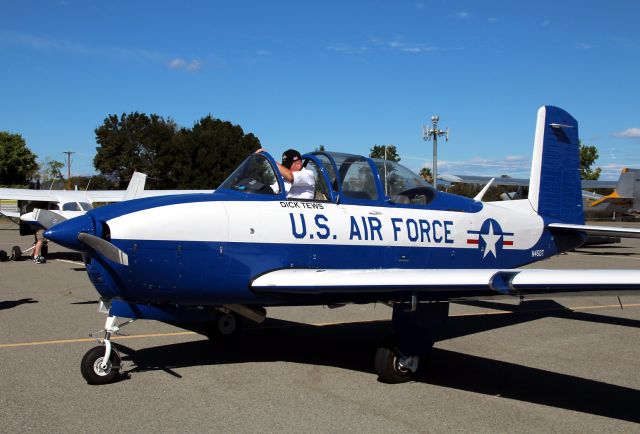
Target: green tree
378 152
320 148
426 174
50 171
203 157
17 162
131 142
197 158
588 157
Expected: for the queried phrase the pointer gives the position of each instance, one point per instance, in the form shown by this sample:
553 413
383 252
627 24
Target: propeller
105 248
47 218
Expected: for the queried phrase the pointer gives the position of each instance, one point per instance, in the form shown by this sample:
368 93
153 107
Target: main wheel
91 370
16 253
388 368
3 256
225 325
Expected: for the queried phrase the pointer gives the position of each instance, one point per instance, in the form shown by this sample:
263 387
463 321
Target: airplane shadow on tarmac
353 345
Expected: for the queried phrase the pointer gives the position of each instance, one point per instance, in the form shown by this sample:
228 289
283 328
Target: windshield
70 206
396 178
255 176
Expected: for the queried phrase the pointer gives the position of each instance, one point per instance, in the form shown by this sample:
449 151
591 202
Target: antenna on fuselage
432 133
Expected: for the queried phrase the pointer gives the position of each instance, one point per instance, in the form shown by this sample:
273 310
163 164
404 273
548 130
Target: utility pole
68 168
432 133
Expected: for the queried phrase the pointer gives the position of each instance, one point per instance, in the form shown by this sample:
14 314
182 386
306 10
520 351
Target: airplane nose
66 233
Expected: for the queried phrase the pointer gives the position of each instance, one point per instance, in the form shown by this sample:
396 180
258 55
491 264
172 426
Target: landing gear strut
416 330
101 364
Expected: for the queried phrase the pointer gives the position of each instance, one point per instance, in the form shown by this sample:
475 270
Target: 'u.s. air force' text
370 228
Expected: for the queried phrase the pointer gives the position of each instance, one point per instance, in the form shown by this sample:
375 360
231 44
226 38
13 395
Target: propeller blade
105 248
47 218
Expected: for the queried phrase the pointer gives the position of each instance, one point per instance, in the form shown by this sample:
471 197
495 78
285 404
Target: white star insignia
490 239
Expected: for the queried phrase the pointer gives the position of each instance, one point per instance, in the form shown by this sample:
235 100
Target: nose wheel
95 370
101 365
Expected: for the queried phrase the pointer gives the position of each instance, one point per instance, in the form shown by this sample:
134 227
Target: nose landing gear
101 364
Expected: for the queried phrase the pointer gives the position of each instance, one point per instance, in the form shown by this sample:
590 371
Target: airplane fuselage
237 240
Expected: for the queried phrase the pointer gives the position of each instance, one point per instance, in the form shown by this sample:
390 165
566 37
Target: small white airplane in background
44 208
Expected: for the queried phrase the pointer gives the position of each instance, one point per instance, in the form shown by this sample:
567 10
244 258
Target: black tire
44 251
16 253
3 256
388 367
225 326
90 366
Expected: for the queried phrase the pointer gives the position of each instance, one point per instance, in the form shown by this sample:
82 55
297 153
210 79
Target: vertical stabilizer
629 184
555 186
136 186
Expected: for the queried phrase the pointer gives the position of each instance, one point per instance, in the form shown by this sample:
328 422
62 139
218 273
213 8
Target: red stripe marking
507 243
473 241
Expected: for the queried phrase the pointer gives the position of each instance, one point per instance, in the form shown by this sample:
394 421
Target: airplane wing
443 284
153 193
483 180
599 184
518 182
27 194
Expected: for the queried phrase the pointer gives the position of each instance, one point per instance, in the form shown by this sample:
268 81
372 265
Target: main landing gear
225 325
230 319
416 326
101 364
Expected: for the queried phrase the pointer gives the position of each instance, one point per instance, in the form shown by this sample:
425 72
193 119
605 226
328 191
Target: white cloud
348 49
178 63
515 166
492 20
462 14
412 48
629 133
194 65
583 46
545 23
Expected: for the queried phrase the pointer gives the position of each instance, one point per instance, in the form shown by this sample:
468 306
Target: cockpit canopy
339 177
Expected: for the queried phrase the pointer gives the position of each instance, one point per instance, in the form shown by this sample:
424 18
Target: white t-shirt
304 185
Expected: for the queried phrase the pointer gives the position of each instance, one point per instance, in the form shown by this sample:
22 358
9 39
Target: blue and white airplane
371 234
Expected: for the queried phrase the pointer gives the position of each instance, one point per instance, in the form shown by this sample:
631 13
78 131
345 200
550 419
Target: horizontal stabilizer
440 282
599 230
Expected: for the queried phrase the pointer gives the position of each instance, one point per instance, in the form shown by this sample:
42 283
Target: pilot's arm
286 173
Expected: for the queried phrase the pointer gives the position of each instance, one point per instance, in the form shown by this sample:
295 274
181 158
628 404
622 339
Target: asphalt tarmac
562 365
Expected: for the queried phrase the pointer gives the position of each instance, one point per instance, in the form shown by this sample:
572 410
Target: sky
344 74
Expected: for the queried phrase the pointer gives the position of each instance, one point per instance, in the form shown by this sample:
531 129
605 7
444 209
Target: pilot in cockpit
299 182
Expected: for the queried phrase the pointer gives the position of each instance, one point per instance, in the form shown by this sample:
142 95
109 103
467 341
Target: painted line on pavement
187 333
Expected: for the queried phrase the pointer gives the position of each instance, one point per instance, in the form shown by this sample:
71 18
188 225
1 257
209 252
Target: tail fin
629 188
555 187
136 185
627 191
